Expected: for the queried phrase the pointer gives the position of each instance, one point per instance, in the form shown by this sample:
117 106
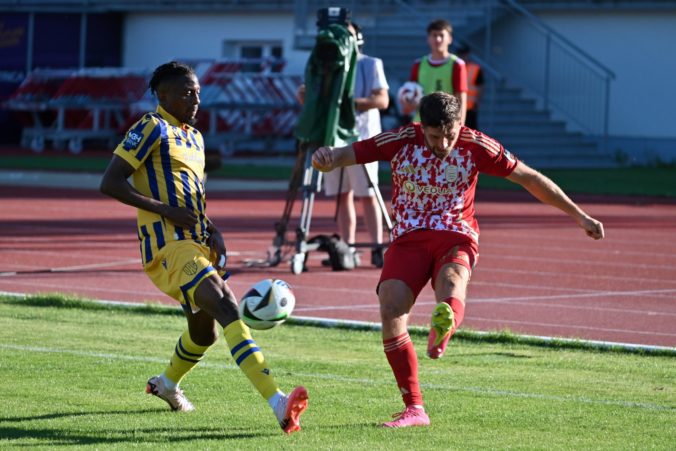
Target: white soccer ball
411 92
267 304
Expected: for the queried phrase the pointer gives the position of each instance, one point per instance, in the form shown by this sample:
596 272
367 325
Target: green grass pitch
73 376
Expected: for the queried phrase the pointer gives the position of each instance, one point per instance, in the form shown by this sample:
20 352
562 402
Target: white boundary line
75 268
352 324
334 377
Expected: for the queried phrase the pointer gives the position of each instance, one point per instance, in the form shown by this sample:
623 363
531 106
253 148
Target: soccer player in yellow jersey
182 250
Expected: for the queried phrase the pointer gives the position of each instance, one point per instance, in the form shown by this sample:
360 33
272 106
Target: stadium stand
64 106
69 107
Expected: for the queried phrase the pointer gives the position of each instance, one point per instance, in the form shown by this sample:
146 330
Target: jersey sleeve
384 146
414 71
459 76
490 156
140 140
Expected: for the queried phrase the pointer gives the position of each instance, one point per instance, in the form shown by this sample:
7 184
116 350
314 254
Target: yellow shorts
178 268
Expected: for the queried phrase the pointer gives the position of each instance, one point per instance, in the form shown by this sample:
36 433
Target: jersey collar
168 117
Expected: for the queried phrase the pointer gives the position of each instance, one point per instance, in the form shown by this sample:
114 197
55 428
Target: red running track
538 273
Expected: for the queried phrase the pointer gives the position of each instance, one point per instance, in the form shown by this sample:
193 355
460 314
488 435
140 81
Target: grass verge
73 375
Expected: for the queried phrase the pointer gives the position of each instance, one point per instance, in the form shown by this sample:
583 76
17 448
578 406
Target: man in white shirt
370 96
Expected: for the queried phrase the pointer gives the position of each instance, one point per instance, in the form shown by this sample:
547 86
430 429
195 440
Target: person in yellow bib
440 70
182 251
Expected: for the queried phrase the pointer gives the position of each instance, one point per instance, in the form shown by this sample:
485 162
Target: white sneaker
289 409
175 398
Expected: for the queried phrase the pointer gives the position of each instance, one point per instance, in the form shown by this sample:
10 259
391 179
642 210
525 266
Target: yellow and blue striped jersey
168 158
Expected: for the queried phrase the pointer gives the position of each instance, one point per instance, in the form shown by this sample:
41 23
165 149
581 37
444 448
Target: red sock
458 308
404 363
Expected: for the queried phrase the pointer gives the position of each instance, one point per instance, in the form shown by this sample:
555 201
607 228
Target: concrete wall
638 47
152 39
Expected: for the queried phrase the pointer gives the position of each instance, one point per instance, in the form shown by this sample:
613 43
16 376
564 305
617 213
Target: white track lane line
573 326
554 275
582 250
472 300
581 263
76 268
663 242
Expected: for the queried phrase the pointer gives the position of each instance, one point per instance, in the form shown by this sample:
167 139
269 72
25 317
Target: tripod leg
274 252
377 257
379 198
311 183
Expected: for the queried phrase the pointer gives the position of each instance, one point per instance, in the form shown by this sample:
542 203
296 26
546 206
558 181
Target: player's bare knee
390 311
227 310
204 336
202 328
393 301
453 275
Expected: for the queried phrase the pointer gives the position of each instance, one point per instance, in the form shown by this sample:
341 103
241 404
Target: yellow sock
186 355
249 358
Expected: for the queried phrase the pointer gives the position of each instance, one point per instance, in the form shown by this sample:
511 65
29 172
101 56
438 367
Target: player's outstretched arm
114 184
326 158
548 192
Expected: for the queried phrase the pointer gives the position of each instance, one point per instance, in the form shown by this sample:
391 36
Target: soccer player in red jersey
435 167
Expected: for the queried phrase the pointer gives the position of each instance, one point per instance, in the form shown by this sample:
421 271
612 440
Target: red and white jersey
433 193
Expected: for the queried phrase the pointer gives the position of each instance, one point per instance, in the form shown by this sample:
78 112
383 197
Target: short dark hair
439 109
440 25
168 72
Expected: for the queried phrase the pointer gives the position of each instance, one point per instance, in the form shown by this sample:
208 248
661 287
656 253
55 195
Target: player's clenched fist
323 159
592 227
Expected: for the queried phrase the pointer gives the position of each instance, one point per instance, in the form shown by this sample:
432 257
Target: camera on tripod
328 118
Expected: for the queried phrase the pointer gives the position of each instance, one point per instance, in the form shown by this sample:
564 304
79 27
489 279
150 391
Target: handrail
540 23
564 80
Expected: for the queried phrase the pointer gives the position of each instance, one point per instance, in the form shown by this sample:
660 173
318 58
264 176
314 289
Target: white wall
636 46
153 39
639 48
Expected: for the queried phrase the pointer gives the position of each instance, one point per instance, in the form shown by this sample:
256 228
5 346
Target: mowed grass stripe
74 377
341 379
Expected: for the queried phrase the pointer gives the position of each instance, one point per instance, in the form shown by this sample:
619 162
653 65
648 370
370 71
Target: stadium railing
68 107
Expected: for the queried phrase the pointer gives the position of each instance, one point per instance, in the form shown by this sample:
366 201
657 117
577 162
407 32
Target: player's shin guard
249 358
404 363
186 356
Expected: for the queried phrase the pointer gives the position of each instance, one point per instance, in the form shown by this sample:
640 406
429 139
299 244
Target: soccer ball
411 92
267 304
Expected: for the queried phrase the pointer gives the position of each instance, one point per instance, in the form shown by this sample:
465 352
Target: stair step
543 130
570 162
531 133
519 115
550 146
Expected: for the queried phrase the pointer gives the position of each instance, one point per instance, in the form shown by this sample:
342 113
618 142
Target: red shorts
416 257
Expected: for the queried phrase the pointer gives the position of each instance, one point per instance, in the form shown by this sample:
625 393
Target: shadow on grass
54 415
59 436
